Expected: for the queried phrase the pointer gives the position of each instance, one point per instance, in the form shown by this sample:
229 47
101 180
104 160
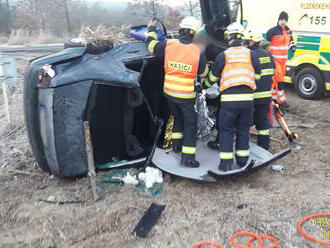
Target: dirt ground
195 211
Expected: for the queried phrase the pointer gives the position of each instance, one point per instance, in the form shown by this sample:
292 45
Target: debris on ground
54 201
114 177
242 206
152 192
90 160
297 148
51 198
151 176
278 168
149 184
148 220
130 179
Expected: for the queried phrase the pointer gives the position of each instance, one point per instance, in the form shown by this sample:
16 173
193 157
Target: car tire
309 83
90 48
31 122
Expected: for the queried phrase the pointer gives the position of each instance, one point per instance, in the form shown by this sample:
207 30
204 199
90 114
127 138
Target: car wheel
309 83
31 122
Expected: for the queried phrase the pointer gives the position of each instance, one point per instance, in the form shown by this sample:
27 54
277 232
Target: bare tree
44 16
192 7
6 14
67 16
38 15
27 15
173 18
63 18
149 8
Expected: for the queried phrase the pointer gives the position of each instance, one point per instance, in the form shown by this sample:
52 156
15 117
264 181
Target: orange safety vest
238 69
181 66
279 46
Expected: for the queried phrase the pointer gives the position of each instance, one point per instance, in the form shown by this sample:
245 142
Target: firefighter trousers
277 86
262 124
184 133
232 122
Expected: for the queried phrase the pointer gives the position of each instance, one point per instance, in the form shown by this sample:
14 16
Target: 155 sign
314 20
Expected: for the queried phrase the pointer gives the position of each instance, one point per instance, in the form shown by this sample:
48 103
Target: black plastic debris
148 220
242 206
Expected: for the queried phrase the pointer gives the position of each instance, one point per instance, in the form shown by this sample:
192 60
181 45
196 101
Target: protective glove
198 88
292 46
205 83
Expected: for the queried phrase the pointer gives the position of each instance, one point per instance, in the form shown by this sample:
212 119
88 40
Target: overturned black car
119 91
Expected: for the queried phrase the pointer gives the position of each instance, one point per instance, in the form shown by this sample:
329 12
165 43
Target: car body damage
55 120
107 67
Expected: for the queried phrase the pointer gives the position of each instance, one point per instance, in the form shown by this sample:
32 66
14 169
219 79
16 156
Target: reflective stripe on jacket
238 69
279 46
181 66
262 95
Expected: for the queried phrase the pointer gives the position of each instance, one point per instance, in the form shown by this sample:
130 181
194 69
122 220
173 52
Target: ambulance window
233 7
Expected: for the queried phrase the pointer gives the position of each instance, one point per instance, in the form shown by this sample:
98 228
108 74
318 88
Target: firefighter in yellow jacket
236 69
182 64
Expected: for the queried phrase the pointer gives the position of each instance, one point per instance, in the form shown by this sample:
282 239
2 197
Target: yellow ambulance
308 69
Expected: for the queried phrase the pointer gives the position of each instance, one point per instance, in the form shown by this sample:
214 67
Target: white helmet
254 36
235 28
191 23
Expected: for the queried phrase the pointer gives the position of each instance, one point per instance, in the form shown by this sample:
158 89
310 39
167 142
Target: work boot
213 145
240 164
224 167
192 163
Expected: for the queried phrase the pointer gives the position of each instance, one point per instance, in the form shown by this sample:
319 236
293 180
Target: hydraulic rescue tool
292 136
140 32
